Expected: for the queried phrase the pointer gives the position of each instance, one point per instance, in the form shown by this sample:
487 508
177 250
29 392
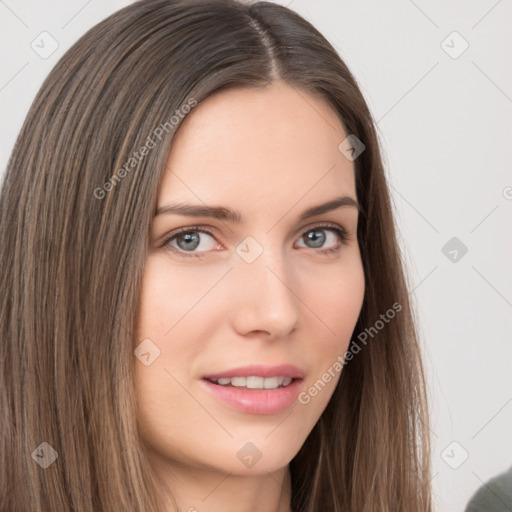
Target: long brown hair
77 202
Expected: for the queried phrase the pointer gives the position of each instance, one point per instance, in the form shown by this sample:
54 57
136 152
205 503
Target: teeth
239 382
272 382
253 382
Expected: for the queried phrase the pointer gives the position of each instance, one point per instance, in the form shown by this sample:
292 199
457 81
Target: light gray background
445 126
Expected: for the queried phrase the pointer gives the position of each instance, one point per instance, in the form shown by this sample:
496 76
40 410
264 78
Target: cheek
170 296
337 303
336 306
169 299
176 321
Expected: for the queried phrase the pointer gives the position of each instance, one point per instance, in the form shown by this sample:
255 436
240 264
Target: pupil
189 238
318 240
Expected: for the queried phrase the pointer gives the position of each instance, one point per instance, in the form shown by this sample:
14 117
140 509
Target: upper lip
259 370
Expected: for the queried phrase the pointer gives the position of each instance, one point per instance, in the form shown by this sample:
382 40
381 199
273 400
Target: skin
270 154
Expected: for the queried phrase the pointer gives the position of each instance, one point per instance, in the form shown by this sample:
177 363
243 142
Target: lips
282 370
256 389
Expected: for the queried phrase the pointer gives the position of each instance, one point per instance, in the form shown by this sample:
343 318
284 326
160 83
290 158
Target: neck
208 490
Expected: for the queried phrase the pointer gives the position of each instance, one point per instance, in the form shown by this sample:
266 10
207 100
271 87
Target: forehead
264 147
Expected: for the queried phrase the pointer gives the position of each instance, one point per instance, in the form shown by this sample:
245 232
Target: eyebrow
222 213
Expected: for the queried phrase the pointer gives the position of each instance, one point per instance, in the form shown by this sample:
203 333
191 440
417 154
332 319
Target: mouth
256 389
253 382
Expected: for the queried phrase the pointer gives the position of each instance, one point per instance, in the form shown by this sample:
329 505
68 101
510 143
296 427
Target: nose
266 299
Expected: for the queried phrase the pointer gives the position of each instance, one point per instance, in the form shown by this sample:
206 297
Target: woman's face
259 299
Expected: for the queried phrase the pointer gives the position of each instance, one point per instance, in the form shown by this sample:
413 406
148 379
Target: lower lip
255 401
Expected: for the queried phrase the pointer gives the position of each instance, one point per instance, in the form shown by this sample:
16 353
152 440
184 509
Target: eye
189 239
317 238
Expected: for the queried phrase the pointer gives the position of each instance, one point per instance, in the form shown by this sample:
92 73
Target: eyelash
342 234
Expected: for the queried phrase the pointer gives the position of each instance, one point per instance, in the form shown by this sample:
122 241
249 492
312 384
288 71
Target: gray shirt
493 496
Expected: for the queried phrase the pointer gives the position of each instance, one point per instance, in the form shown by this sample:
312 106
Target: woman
205 307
